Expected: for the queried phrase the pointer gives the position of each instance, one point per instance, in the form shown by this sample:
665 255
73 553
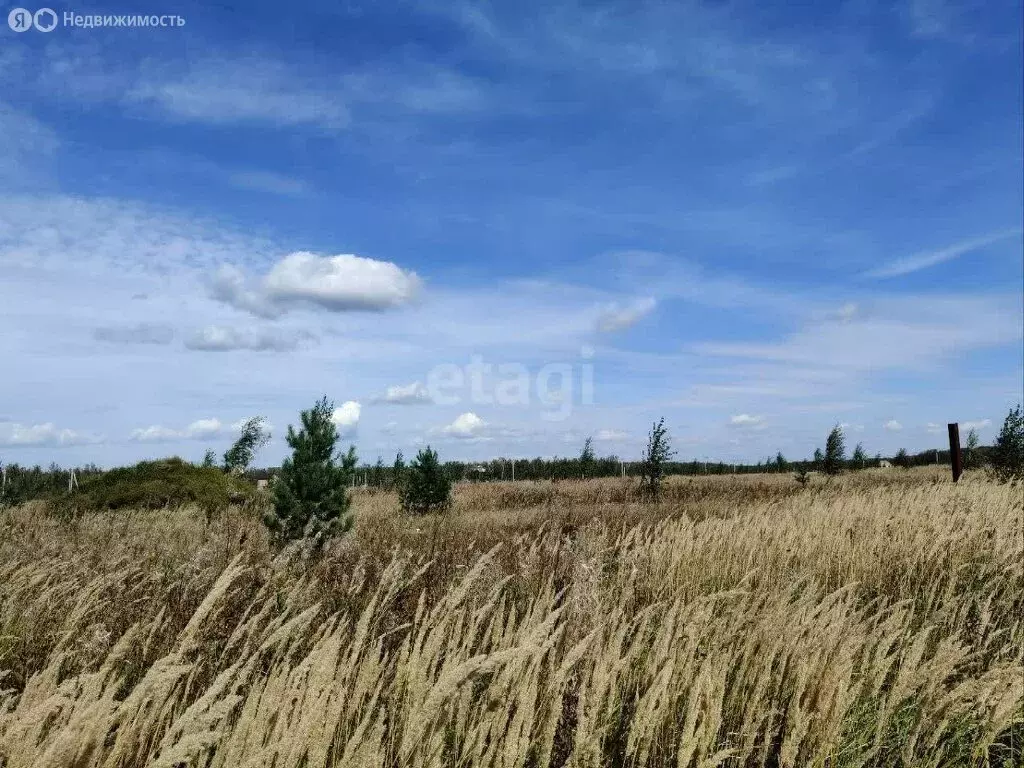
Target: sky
499 228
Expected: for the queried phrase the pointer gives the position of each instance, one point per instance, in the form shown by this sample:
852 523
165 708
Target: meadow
874 619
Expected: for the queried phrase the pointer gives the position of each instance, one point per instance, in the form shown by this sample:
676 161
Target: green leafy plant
587 458
652 468
254 436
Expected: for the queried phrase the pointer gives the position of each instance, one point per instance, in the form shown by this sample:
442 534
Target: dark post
956 460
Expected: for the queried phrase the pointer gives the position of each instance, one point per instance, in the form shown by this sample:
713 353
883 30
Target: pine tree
1008 451
970 452
426 487
652 468
819 459
311 501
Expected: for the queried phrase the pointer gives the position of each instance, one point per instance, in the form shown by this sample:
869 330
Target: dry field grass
875 620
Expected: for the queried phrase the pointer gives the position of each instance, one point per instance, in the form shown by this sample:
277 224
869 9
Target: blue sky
502 227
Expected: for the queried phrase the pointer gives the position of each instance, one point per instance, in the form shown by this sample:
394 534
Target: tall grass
875 620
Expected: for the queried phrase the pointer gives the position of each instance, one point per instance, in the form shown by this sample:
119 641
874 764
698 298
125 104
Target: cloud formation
926 259
747 421
892 426
44 434
342 283
466 426
409 394
200 429
346 418
615 317
218 338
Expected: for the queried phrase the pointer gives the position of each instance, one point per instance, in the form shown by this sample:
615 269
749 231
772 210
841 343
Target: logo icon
45 20
20 20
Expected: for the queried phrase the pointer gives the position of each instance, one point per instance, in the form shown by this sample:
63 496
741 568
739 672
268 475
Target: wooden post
956 459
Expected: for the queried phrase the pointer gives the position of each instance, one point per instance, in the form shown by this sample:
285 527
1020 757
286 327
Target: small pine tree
801 476
426 487
209 459
254 436
587 458
835 451
859 457
652 468
781 464
819 459
1008 451
311 501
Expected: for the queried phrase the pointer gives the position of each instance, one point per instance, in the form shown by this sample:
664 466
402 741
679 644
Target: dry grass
875 620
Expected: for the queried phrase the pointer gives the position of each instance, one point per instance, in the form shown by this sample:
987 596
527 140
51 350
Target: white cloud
892 425
935 429
746 421
611 435
337 283
467 425
200 429
45 434
614 317
980 424
346 418
226 91
409 394
926 259
217 338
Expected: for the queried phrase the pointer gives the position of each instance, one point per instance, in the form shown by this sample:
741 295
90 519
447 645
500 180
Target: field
873 620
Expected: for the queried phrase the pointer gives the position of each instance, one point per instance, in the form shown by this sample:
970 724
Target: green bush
154 485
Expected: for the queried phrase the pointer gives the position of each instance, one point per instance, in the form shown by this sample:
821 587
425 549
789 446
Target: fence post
956 459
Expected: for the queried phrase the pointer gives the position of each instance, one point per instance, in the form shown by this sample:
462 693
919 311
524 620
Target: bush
426 487
310 497
155 485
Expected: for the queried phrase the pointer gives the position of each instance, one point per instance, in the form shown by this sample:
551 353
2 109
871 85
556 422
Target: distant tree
970 452
254 436
781 464
426 487
1008 451
587 457
819 459
311 501
801 476
835 451
902 459
652 468
209 459
859 457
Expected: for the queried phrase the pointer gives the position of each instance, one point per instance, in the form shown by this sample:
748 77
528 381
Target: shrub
1008 451
587 458
426 487
859 457
310 497
155 485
